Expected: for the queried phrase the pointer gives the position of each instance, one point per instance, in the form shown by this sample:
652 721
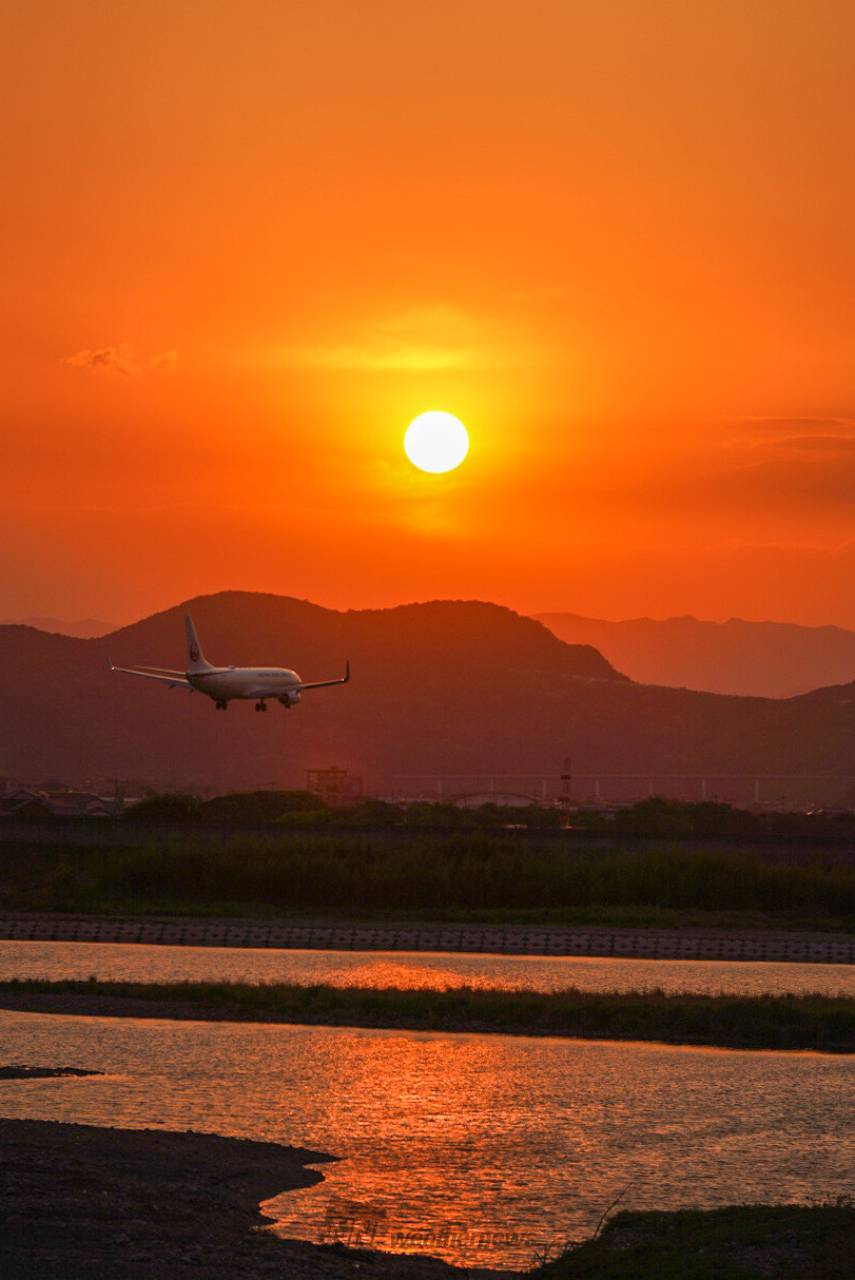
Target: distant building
31 803
334 785
78 804
24 804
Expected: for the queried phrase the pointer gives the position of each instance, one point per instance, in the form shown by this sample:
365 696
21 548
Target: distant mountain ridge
764 659
445 688
83 628
425 677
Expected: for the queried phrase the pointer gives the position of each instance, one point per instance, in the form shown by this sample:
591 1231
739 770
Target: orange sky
247 242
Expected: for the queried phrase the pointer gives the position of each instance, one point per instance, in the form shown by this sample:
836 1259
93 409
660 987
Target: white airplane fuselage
226 683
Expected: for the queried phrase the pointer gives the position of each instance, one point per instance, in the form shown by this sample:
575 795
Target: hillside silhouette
766 659
446 687
85 628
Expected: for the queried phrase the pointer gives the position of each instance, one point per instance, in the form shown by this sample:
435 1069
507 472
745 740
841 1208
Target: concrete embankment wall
655 944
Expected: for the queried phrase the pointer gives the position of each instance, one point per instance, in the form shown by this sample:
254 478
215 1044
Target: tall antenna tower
566 783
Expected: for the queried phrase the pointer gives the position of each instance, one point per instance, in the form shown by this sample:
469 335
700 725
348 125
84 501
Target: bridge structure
471 789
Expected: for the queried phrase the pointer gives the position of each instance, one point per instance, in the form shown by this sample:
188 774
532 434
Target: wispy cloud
165 361
825 444
788 467
401 357
423 338
121 359
764 425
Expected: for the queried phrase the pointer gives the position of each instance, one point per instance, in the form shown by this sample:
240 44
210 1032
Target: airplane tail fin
195 657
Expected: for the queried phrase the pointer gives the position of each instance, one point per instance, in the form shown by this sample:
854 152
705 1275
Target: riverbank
740 1242
792 1022
501 938
117 1204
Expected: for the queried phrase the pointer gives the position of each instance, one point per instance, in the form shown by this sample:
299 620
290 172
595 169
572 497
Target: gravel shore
84 1203
21 1071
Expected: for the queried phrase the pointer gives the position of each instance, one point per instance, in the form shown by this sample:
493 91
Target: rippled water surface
140 963
478 1148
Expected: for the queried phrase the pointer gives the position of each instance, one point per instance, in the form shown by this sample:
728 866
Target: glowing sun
436 441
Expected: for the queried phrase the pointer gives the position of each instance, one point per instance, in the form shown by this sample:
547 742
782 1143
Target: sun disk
436 442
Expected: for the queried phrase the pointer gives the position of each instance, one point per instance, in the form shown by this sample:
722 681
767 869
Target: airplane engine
291 698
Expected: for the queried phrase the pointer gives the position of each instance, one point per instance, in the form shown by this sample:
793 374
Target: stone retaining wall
654 944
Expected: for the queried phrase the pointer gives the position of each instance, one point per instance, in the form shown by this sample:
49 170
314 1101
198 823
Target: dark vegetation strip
825 1023
654 816
739 1242
464 875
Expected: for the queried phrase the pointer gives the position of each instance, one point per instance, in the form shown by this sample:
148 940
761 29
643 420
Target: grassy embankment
469 876
742 1242
824 1023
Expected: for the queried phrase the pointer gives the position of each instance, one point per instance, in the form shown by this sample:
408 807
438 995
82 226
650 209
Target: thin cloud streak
121 359
373 359
420 339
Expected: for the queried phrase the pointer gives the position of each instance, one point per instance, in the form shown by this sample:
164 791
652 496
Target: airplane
223 684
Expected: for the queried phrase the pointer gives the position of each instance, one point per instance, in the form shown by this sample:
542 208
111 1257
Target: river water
140 963
481 1149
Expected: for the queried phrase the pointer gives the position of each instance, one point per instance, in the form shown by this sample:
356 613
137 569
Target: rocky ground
83 1203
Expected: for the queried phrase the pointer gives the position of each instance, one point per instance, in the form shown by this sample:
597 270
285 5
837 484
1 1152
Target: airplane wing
325 684
166 671
175 679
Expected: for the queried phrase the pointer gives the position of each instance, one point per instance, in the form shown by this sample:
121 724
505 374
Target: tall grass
461 873
759 1022
792 1241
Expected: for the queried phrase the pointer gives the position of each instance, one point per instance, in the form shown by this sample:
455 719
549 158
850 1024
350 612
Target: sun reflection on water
480 1149
410 970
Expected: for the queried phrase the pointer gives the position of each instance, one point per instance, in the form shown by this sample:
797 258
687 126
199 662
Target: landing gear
261 706
221 705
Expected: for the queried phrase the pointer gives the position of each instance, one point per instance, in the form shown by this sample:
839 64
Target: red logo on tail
194 653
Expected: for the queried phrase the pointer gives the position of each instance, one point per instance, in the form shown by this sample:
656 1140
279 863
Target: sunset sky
246 243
